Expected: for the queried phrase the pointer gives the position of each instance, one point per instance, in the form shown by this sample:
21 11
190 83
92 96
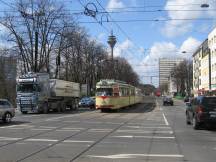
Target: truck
36 92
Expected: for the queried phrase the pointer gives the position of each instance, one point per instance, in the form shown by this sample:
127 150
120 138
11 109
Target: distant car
7 111
87 102
201 111
167 100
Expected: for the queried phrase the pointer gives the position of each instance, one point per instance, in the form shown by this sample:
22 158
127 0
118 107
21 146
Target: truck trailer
36 92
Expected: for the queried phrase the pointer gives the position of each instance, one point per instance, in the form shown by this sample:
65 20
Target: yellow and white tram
114 94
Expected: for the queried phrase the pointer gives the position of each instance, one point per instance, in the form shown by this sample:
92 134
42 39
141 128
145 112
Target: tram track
44 132
106 135
98 116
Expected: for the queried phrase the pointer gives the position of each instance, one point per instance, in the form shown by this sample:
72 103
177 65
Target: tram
114 94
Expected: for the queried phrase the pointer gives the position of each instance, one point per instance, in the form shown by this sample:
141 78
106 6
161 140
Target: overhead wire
95 18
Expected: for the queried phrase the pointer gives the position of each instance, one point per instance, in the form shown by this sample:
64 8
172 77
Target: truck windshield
104 92
27 87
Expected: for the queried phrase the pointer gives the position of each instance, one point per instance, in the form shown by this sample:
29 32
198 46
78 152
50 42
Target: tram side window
104 92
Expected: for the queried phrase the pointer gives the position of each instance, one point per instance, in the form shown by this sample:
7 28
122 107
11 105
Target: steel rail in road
80 132
48 131
106 135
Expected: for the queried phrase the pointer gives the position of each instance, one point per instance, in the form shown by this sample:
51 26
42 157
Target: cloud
166 50
123 47
191 11
114 4
189 46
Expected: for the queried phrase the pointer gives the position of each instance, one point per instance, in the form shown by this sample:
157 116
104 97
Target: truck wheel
63 107
24 112
7 118
45 108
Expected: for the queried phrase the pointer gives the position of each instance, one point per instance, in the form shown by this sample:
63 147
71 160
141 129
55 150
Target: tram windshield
104 92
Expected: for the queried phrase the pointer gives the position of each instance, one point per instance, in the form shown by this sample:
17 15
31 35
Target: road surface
146 132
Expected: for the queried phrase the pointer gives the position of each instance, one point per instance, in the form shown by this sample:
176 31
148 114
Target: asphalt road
146 132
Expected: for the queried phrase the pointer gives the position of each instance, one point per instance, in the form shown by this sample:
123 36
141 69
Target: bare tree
34 27
183 77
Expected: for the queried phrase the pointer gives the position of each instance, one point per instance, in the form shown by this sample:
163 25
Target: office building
166 65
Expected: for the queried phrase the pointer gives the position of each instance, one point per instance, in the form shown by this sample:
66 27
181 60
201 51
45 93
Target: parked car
7 111
201 111
167 100
87 102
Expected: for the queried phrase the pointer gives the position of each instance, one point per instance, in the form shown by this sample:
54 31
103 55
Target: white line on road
151 137
56 118
138 127
9 139
137 131
38 129
165 119
48 127
129 156
68 130
74 141
41 140
73 121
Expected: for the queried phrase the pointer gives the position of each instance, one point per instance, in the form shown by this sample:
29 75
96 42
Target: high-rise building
166 65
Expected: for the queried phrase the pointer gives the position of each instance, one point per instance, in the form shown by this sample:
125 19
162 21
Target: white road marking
148 127
56 118
16 128
41 140
69 121
38 129
76 141
165 119
129 156
9 139
67 130
147 124
48 127
154 137
137 131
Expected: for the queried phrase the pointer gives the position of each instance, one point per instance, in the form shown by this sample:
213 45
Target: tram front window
104 92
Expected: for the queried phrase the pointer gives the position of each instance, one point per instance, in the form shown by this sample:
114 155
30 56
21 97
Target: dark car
167 100
201 111
87 102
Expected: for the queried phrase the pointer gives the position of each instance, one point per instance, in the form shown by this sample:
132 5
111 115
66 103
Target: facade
165 67
204 66
212 49
201 69
197 57
205 70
